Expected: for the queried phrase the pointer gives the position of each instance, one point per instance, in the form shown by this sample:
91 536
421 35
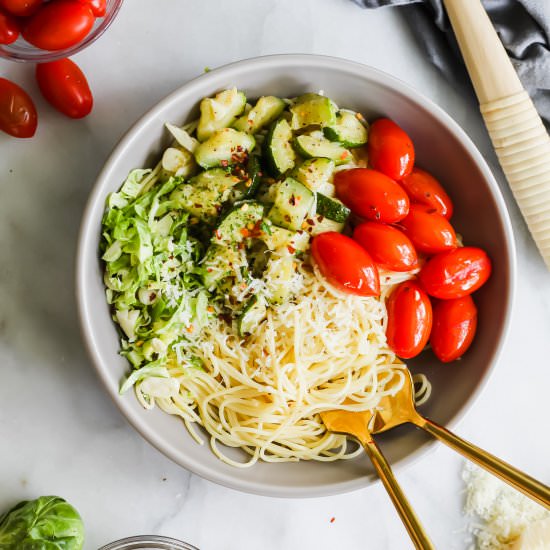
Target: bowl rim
88 228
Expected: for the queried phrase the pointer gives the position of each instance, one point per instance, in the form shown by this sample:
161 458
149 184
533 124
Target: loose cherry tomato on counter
389 247
345 264
17 111
391 150
430 232
454 327
372 195
99 7
456 273
9 28
59 24
409 320
423 188
64 85
21 8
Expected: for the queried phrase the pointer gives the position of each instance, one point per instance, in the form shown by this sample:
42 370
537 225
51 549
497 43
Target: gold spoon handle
517 479
402 505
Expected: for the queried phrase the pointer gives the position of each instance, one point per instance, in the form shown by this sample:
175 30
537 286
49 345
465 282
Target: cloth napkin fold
523 27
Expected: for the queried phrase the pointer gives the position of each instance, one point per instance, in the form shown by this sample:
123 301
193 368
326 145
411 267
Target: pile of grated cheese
506 519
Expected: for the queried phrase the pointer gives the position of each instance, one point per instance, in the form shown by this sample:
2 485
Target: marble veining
59 432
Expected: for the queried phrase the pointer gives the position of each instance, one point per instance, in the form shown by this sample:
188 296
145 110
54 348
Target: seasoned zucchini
266 110
224 147
240 222
292 203
319 224
316 175
277 238
220 262
219 112
278 276
348 130
320 147
332 209
178 161
249 186
313 109
278 149
253 314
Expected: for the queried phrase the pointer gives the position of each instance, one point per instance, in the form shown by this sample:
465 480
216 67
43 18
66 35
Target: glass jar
148 542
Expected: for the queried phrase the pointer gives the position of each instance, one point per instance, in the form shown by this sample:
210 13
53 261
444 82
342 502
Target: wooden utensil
516 130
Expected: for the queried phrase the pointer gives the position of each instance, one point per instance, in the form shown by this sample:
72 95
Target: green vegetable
348 130
47 523
280 155
313 109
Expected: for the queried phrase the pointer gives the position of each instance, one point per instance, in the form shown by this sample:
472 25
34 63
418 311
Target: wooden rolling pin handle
523 149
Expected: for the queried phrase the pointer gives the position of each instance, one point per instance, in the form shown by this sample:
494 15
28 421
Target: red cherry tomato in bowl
64 85
391 150
59 24
454 328
456 273
409 320
17 111
372 195
430 232
345 264
21 8
389 247
423 188
9 28
98 7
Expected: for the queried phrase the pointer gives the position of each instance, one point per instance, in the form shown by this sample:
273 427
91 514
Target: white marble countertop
60 433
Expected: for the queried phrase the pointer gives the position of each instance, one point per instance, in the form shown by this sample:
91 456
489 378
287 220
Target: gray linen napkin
523 27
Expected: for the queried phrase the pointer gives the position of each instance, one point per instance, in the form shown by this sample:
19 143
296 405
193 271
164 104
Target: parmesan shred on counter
504 518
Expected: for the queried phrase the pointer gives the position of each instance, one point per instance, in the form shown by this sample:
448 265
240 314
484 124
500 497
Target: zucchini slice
316 174
278 238
224 147
266 110
348 130
314 147
219 112
221 262
312 109
332 209
240 223
178 161
280 155
319 224
253 314
293 201
278 276
248 188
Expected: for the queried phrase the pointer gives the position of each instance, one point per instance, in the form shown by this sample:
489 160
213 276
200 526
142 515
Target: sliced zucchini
239 223
253 314
278 238
219 112
177 161
221 262
248 188
319 224
293 201
313 109
266 110
205 194
332 209
348 130
320 147
278 276
280 155
316 175
224 147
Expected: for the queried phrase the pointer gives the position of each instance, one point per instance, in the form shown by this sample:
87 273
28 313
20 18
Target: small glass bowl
148 542
22 51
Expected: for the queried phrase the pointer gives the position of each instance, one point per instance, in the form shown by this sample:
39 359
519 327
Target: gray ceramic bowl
442 148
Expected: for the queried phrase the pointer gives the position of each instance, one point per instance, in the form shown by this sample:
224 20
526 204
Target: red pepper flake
332 520
344 155
245 232
218 234
291 249
292 200
240 148
224 163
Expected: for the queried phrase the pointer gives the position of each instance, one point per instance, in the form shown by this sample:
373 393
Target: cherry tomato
425 189
345 264
372 195
58 25
21 8
454 328
98 7
64 85
455 273
390 248
409 320
391 150
429 231
9 28
17 111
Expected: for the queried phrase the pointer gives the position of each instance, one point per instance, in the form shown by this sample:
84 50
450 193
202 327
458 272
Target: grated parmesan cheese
504 512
